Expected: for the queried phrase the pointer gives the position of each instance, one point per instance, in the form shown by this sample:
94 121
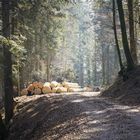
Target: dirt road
74 116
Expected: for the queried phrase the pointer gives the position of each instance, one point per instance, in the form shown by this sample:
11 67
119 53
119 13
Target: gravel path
74 116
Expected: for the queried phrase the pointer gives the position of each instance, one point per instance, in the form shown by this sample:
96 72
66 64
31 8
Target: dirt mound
127 92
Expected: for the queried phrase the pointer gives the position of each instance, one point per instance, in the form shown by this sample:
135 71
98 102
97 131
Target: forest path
74 116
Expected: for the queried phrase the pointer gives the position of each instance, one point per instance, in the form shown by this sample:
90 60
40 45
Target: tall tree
130 63
8 85
115 34
133 48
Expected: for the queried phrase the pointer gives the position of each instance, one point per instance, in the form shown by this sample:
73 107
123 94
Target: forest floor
126 92
74 116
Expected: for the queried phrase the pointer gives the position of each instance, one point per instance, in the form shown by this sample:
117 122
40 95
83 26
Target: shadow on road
74 117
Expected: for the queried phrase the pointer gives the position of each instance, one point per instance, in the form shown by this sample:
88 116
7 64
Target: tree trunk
13 32
116 37
94 69
48 67
8 85
14 4
103 65
130 63
88 71
95 73
81 74
3 130
133 48
108 72
81 69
